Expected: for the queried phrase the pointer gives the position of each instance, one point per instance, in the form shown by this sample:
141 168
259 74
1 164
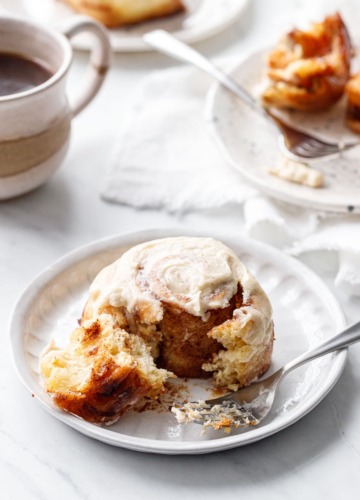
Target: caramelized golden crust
102 372
115 13
352 90
106 397
309 69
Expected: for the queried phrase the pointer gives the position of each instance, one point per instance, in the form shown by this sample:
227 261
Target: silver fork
250 405
295 144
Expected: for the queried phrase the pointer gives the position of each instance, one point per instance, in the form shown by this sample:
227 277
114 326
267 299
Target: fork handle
167 44
347 337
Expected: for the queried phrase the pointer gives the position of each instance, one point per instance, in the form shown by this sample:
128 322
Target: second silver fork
294 143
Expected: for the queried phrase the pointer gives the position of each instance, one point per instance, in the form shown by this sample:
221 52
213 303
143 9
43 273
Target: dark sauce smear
18 74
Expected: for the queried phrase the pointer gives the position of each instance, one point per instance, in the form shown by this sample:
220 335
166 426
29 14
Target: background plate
250 144
305 312
203 19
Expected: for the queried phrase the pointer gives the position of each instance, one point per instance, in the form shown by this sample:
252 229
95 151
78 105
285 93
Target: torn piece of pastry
187 303
115 13
299 173
102 372
352 91
308 70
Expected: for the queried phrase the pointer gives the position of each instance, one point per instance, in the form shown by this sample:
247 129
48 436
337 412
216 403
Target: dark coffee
18 74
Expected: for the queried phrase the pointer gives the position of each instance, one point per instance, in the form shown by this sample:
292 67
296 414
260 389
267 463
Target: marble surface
41 458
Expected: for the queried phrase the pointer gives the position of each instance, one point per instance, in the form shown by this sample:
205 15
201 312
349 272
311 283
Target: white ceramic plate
251 145
203 19
305 312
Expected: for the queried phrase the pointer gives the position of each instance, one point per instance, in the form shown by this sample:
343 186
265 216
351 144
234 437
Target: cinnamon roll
102 372
187 305
115 13
308 70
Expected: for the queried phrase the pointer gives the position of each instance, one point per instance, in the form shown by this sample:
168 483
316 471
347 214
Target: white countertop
41 458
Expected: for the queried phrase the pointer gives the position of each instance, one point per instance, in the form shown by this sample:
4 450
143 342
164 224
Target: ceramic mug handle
99 58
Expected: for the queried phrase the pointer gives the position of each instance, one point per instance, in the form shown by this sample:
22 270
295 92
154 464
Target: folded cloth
299 231
167 159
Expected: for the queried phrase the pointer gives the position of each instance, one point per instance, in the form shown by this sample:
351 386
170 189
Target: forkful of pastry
250 405
308 71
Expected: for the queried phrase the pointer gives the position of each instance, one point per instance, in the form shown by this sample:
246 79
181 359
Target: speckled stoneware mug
35 124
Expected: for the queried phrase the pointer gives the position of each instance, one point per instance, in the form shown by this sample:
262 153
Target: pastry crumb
226 416
297 172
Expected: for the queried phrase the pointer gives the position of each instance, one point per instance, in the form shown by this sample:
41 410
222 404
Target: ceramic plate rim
139 46
270 191
153 445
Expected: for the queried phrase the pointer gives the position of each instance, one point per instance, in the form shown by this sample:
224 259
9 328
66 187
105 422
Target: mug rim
59 73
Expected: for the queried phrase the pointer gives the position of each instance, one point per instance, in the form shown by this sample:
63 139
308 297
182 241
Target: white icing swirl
196 274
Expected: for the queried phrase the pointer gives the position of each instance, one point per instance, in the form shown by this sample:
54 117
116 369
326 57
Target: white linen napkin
154 166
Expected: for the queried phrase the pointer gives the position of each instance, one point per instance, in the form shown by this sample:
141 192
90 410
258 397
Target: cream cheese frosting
196 274
134 332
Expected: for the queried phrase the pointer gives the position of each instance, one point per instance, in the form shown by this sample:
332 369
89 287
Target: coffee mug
35 123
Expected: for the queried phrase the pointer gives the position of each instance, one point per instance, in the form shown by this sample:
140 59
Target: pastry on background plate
352 91
308 70
115 13
183 306
299 173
